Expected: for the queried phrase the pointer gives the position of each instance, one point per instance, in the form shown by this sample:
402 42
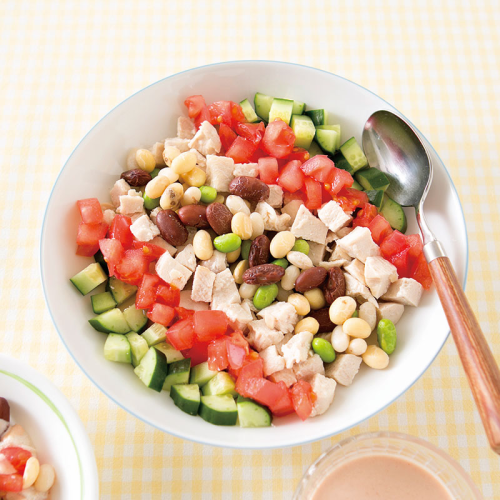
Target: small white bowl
54 427
149 116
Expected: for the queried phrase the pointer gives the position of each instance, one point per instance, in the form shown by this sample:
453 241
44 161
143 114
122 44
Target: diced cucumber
89 278
171 354
356 184
112 321
117 348
372 179
201 374
248 111
99 258
304 130
155 334
336 128
219 410
314 149
318 116
102 302
394 214
219 385
375 197
252 414
121 291
138 346
186 397
178 373
262 103
341 162
136 318
298 108
327 139
282 109
152 369
354 154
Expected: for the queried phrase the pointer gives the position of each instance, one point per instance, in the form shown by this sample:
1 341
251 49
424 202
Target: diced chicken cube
203 285
333 263
185 128
238 315
189 303
406 291
108 216
121 188
333 216
154 213
217 263
225 291
157 150
187 258
308 227
306 369
206 140
331 236
131 204
248 304
344 232
291 208
272 221
390 310
285 339
219 172
143 229
344 368
260 336
275 198
169 270
280 316
316 252
379 274
324 389
286 375
358 291
356 269
246 169
181 144
273 362
159 241
340 255
359 244
297 348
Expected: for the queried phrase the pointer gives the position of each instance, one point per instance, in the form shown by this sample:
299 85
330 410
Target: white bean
299 259
375 357
240 268
315 298
234 255
172 196
192 196
257 225
301 304
169 154
202 245
283 294
30 472
46 478
169 174
156 187
291 274
281 244
241 224
145 160
247 291
356 347
183 163
357 327
340 340
308 324
237 204
341 309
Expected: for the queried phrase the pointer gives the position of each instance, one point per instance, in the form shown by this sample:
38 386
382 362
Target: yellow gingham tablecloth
64 64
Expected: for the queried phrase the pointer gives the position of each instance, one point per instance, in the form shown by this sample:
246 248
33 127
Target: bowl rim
210 441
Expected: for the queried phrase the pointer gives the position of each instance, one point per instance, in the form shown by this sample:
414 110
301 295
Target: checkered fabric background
64 64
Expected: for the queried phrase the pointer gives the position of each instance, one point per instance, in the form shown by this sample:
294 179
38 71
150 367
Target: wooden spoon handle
477 359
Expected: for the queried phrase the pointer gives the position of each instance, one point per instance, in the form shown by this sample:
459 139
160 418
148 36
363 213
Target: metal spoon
391 145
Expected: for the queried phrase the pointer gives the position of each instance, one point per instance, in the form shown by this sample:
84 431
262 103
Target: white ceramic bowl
150 115
54 427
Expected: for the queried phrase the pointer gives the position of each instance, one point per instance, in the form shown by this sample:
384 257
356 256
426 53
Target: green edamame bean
301 246
154 173
355 314
281 262
265 295
245 249
386 335
227 242
324 349
150 203
208 194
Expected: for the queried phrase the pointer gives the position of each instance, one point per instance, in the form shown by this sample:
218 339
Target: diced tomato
204 116
150 250
314 196
87 250
291 177
227 136
268 170
217 354
160 313
302 399
349 199
168 294
112 250
90 210
194 104
250 358
237 113
393 244
238 339
11 482
298 195
420 271
237 350
181 334
220 112
132 267
17 457
120 230
198 353
278 139
401 261
208 325
90 234
283 405
251 370
259 153
320 168
146 294
300 154
414 241
241 150
341 179
380 229
263 391
183 313
253 132
365 215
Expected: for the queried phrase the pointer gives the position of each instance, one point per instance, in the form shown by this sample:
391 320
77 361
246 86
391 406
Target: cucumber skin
98 299
261 413
186 405
156 382
389 207
98 325
178 373
216 417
